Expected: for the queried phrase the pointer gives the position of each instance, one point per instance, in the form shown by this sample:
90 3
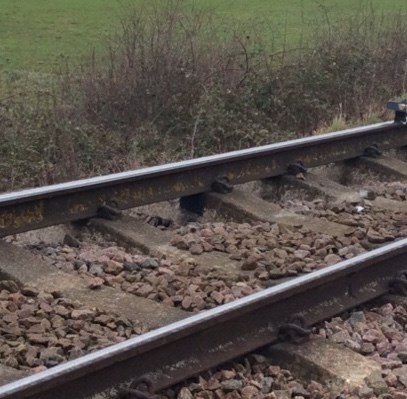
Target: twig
197 120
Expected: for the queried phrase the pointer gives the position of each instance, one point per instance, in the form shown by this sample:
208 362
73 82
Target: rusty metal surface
177 351
45 206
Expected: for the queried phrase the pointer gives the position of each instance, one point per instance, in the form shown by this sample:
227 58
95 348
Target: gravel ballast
39 330
377 331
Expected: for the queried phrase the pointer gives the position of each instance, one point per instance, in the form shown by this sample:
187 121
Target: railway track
179 344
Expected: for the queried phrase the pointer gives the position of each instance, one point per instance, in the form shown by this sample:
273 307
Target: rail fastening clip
400 109
294 330
141 388
398 284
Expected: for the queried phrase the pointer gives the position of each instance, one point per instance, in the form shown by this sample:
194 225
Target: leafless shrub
178 83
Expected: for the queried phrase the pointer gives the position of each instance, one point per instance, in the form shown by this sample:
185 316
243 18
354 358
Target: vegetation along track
263 246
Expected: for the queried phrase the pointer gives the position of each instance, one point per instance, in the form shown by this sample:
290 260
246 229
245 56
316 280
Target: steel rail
172 353
40 207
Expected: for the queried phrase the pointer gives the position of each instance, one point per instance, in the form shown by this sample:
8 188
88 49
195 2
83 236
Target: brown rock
322 252
113 267
351 344
301 254
391 380
29 291
11 361
207 247
82 314
36 329
25 319
9 285
274 370
297 389
88 256
217 296
331 259
144 290
231 385
58 322
205 395
61 311
212 384
219 394
373 336
249 264
376 382
185 393
196 249
102 259
263 275
282 394
340 336
249 392
401 374
280 253
31 360
186 302
103 319
38 339
51 356
95 283
198 302
374 237
46 307
228 374
39 369
276 272
367 348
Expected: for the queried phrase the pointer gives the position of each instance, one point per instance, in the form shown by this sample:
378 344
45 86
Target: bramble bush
175 84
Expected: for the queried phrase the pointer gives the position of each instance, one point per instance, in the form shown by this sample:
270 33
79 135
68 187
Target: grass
180 82
36 35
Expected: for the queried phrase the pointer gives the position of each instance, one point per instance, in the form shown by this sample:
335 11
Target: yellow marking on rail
22 217
77 208
179 187
122 196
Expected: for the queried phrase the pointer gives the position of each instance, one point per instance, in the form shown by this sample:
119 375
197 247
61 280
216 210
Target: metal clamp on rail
400 108
141 388
294 330
398 284
296 168
109 211
372 151
222 185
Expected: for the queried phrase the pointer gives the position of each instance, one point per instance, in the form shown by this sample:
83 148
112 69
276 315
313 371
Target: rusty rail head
45 206
180 350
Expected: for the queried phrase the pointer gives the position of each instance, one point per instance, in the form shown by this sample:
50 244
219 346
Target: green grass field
36 35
